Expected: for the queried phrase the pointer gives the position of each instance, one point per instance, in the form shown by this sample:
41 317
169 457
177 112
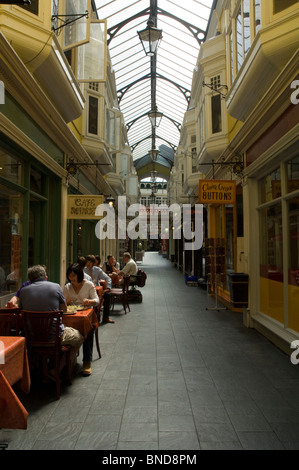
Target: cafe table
14 367
82 320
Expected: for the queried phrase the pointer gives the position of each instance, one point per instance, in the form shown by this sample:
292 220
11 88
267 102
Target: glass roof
175 61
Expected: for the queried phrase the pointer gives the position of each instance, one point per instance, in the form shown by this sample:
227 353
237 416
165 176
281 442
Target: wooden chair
121 294
9 322
43 341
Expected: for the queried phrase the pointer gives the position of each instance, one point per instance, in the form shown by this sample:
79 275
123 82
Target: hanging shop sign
217 192
83 207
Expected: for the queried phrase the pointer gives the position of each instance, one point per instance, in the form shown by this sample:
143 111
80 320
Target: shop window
293 174
271 262
11 168
11 232
240 218
293 216
271 242
294 239
36 181
270 186
293 266
280 5
228 213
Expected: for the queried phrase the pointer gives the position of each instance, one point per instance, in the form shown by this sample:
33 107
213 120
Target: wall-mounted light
71 168
110 200
150 38
238 168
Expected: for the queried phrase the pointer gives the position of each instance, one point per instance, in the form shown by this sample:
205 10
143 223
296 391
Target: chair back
9 322
103 283
42 330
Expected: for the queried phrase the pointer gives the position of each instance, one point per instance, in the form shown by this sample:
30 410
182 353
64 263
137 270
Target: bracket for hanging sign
66 22
213 88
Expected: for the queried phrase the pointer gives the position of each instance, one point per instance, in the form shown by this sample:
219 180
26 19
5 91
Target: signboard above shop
217 192
83 207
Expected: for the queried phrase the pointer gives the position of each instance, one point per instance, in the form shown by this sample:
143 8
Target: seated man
130 268
15 300
111 267
42 295
98 274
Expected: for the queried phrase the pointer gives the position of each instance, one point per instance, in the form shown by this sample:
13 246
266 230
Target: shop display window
11 168
270 186
11 234
293 174
272 243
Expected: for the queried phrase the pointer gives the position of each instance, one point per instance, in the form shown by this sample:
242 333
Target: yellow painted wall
76 127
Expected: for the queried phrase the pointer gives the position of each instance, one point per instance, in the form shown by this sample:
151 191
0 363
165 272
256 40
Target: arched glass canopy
154 83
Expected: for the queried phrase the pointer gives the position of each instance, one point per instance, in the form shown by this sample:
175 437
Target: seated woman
80 291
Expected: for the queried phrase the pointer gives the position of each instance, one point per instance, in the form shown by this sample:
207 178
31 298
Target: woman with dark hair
81 292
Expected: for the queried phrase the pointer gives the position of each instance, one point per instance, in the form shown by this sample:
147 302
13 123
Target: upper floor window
216 114
243 32
71 21
279 5
113 128
33 7
93 115
257 15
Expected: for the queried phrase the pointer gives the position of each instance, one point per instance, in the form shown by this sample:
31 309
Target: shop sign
83 207
217 192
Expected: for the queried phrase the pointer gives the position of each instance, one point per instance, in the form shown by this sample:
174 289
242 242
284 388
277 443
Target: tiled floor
173 375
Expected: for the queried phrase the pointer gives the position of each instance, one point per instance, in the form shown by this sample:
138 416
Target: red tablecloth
83 321
13 368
